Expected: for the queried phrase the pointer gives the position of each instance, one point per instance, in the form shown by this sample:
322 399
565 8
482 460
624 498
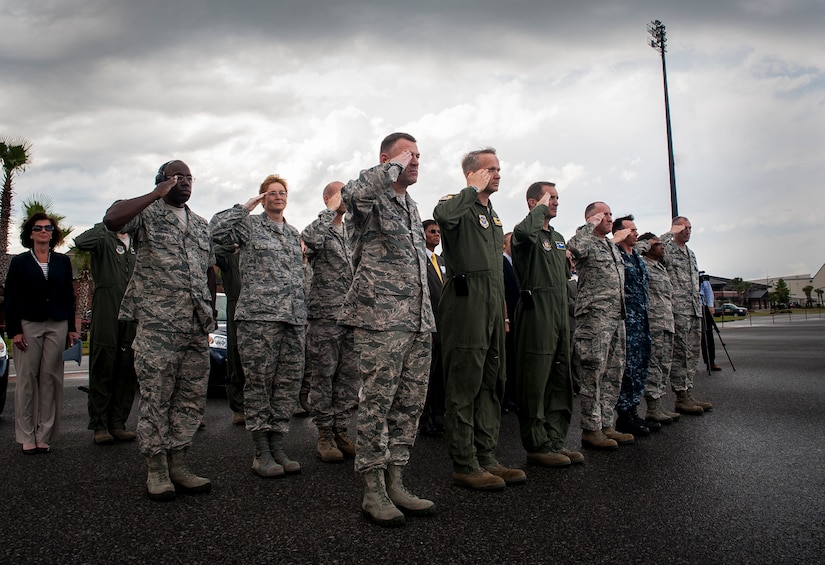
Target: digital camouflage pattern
637 331
599 337
272 354
389 289
394 367
544 385
112 378
270 265
684 275
169 297
330 257
660 316
170 277
389 306
332 370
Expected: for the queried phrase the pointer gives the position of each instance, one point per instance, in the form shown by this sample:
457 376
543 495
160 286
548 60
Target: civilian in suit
40 315
432 419
511 292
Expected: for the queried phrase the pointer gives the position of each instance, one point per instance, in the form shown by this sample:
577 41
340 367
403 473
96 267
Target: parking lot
742 484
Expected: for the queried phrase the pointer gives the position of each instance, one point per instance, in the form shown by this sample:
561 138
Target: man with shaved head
171 296
331 361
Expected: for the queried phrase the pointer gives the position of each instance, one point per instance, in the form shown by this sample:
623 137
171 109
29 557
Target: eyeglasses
280 193
179 178
41 228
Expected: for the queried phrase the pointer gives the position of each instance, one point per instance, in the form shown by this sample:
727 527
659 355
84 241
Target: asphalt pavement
741 484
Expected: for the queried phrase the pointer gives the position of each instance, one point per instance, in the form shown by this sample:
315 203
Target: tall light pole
657 30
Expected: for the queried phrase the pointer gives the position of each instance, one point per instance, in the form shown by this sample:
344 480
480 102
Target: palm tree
16 156
741 287
42 203
808 290
819 293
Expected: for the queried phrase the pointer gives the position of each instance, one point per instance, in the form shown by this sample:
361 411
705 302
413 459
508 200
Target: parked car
729 309
218 375
4 373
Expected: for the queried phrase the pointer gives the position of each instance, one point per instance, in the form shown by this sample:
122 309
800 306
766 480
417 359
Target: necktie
434 261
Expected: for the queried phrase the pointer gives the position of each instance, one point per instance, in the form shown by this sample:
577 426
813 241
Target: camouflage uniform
331 360
472 328
637 331
227 261
389 305
599 338
112 379
660 315
270 315
169 298
687 314
544 382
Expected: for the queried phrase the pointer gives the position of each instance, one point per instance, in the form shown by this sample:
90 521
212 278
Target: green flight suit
112 380
227 261
472 330
543 380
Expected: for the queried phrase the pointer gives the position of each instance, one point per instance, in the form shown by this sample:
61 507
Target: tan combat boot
376 505
184 479
480 479
685 405
619 437
705 406
654 411
575 457
597 440
510 476
158 485
276 446
344 443
550 459
263 464
403 499
327 450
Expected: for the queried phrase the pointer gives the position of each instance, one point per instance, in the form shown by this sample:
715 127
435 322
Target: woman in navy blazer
40 316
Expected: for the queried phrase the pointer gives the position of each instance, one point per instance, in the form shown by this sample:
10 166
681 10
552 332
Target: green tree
808 290
741 287
16 156
783 293
819 293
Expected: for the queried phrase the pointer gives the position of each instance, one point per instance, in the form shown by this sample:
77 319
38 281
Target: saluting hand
163 188
479 179
402 158
254 201
595 219
545 199
621 235
334 201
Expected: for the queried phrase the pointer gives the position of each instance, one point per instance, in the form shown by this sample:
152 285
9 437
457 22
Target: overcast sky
571 92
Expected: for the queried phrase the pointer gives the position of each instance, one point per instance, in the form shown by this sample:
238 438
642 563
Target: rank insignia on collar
560 245
496 221
483 221
547 244
120 250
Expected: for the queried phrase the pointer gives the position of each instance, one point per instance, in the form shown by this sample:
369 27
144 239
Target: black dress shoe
715 368
625 423
31 451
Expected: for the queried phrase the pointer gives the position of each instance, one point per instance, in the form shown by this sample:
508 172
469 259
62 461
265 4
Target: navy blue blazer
29 296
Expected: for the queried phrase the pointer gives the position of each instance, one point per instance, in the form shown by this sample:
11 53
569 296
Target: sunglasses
41 228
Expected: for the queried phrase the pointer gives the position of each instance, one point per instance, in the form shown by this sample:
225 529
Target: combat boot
509 475
549 459
651 426
574 456
344 443
480 479
403 499
655 413
276 446
597 440
327 450
705 406
158 485
376 505
685 405
626 423
619 437
263 464
184 479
